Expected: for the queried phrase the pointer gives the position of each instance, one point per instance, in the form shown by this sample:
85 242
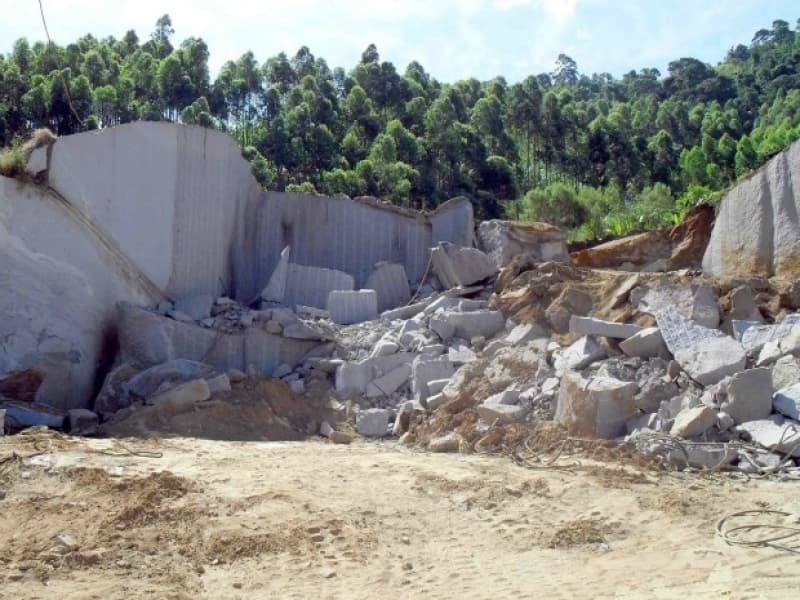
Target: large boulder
712 359
693 421
749 395
457 266
647 343
787 401
390 282
503 240
580 354
596 408
757 231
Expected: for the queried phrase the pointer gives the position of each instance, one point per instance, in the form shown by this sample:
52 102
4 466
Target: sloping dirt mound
549 293
253 410
108 523
636 250
680 247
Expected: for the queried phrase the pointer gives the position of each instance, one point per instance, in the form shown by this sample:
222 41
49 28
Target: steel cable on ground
737 536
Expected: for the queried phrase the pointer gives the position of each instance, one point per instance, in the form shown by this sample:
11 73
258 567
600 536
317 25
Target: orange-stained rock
638 250
690 238
678 248
21 385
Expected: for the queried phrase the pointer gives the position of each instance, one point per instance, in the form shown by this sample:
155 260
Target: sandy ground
214 519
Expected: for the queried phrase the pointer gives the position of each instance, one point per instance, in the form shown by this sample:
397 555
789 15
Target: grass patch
14 158
12 162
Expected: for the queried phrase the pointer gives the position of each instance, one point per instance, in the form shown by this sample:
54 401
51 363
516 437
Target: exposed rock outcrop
146 212
503 240
757 231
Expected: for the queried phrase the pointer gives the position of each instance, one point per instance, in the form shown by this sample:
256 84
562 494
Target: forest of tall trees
595 154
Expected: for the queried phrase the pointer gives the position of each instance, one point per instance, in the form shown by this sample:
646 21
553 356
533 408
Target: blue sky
453 39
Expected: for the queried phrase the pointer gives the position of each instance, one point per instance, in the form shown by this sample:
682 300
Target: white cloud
509 4
561 10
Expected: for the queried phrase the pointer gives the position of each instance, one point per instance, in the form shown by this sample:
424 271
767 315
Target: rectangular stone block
310 286
597 407
591 326
389 383
147 338
426 369
352 378
197 306
347 307
373 422
486 323
648 343
406 312
390 282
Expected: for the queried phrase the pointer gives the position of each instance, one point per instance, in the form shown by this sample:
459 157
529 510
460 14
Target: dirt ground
189 518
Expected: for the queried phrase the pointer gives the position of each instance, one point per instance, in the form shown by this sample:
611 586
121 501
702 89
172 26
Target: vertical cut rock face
343 235
757 231
143 212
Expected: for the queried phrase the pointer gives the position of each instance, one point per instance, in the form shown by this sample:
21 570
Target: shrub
12 161
556 204
301 188
14 158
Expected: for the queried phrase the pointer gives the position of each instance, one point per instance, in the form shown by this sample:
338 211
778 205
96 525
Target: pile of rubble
502 329
696 375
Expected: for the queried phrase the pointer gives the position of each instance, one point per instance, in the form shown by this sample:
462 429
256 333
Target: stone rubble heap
701 380
701 372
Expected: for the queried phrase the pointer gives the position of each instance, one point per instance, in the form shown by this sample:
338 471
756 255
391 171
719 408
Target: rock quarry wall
148 211
58 289
341 234
757 231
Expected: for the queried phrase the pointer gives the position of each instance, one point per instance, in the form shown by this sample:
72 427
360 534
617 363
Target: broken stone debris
305 325
775 433
590 326
646 343
694 421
